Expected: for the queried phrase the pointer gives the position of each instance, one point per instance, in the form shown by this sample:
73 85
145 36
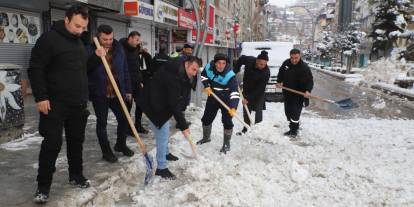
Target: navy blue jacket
98 78
224 84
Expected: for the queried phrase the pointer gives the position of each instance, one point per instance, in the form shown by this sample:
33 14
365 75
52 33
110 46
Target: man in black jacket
130 45
255 77
295 74
58 75
163 97
159 61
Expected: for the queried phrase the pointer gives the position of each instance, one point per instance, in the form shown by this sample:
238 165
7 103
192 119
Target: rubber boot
206 135
226 140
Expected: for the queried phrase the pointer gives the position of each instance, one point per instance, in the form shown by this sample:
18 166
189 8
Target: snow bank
26 141
351 78
383 70
357 162
395 89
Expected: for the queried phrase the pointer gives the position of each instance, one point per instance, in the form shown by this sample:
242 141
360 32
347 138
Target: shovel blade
346 103
149 163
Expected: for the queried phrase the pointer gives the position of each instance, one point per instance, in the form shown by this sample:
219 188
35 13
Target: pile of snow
387 70
357 162
26 141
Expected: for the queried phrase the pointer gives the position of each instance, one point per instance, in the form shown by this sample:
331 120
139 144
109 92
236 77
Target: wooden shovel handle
245 106
228 108
121 100
193 147
311 96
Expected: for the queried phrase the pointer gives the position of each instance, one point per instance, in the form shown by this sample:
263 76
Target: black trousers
256 106
101 111
210 112
61 116
293 109
138 110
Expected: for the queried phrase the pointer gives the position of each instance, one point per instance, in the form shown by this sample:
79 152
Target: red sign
131 8
185 19
210 30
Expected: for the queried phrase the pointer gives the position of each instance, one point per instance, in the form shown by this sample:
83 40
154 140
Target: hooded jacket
57 69
223 84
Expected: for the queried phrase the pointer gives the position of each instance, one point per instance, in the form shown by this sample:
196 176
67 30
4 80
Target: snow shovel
246 107
344 103
147 158
193 147
228 108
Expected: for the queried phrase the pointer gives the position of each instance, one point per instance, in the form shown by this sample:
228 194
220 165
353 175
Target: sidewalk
357 78
19 158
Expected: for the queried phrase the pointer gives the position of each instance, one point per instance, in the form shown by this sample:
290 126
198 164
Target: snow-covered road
353 162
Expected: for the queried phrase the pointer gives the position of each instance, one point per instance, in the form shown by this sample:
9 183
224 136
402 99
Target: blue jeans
161 139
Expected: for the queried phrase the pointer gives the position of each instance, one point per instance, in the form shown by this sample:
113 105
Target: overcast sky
282 3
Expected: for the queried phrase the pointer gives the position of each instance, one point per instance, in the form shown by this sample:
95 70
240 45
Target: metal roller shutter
57 14
120 28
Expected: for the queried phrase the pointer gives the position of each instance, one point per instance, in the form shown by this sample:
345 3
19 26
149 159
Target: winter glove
232 112
208 91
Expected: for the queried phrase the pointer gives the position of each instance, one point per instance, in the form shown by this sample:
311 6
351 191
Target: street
372 103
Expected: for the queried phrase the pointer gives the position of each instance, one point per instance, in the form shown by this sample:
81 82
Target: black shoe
79 181
225 148
110 157
141 129
165 173
202 141
243 131
291 133
41 196
124 149
171 157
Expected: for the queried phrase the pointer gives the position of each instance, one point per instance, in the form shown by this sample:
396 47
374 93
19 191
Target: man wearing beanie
256 75
295 74
218 77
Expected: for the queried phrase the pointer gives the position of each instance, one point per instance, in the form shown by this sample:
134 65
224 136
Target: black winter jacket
57 70
254 80
298 77
132 55
165 95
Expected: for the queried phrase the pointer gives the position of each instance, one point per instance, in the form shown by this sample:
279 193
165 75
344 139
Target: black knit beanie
263 55
220 56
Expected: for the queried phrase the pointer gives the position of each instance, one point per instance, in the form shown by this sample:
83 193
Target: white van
277 52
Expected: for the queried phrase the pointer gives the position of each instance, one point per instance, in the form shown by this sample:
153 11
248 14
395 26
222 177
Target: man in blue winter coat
218 77
102 94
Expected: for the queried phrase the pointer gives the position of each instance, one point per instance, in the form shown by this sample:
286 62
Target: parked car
277 52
